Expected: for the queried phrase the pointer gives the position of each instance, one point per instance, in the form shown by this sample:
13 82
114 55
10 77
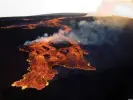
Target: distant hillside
44 16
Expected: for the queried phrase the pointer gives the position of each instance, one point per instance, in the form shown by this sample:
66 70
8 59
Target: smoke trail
45 38
95 32
99 31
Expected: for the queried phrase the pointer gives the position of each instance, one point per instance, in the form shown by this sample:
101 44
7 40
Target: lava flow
44 55
55 22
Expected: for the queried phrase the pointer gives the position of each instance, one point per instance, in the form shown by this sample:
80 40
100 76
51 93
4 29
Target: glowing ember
44 55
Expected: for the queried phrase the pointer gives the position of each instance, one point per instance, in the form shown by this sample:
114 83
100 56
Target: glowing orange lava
55 22
43 56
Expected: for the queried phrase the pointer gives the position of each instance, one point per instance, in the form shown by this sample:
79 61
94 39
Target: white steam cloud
96 32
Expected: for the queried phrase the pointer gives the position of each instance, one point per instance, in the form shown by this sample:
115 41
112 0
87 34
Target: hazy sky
35 7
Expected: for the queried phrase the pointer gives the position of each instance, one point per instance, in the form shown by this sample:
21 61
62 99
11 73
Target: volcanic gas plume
44 55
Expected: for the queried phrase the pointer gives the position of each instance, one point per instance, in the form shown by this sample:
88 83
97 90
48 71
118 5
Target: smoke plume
96 32
99 31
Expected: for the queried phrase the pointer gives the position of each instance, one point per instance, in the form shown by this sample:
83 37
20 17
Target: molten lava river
44 55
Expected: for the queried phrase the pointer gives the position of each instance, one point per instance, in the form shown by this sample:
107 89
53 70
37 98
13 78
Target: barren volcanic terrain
66 56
